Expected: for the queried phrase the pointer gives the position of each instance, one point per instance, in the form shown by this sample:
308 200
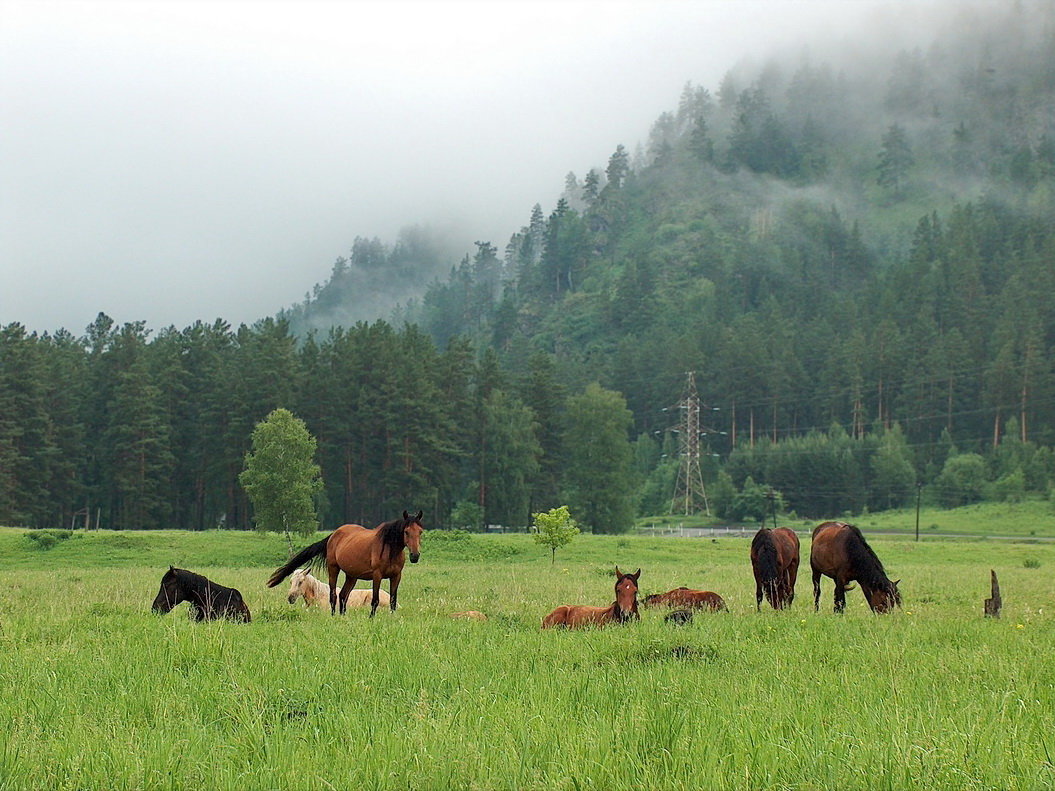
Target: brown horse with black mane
775 562
686 598
623 609
362 554
840 551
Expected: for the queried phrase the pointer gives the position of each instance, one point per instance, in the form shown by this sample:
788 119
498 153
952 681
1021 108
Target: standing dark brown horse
775 561
623 609
362 554
840 551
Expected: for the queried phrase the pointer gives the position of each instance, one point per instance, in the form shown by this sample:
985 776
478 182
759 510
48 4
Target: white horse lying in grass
316 592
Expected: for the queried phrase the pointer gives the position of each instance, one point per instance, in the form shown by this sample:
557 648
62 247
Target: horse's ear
406 515
418 517
172 568
618 573
636 574
896 583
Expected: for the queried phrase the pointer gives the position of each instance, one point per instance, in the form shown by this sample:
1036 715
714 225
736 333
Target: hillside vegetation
853 253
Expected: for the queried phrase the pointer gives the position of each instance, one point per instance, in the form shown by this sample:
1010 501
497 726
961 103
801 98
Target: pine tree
618 168
512 453
895 160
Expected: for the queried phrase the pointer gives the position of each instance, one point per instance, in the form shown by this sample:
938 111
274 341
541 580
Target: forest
854 256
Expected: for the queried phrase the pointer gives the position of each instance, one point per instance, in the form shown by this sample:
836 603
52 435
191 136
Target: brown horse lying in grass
686 598
623 609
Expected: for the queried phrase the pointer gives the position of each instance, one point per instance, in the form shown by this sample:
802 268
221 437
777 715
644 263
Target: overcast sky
194 160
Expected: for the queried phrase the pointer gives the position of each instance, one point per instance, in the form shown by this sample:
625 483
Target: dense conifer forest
854 255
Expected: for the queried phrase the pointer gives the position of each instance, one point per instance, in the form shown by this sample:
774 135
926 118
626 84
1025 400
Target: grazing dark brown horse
775 561
362 554
840 551
208 600
686 598
623 609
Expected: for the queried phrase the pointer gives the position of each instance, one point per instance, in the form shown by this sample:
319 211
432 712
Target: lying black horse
208 600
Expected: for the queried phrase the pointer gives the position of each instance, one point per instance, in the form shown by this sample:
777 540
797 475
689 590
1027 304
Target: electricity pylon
689 492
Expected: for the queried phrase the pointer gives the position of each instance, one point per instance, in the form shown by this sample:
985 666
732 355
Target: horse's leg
791 574
333 572
784 592
393 586
376 597
816 590
758 595
349 583
840 596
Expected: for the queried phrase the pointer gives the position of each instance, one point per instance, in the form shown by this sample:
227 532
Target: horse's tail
764 550
305 556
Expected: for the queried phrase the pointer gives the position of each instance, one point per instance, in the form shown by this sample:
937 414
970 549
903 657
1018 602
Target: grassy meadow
100 693
1030 518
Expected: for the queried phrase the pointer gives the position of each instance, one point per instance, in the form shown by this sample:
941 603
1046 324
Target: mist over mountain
880 129
375 277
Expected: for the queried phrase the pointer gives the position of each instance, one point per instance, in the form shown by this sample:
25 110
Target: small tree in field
281 476
554 528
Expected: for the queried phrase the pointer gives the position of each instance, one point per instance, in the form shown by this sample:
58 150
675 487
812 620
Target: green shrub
467 515
962 480
46 539
1010 488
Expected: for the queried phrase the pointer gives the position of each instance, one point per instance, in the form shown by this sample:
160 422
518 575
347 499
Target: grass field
1028 519
101 694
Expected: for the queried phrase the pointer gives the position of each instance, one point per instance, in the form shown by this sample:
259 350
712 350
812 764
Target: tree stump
994 603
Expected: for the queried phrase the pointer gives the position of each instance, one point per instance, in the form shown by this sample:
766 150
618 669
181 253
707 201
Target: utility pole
919 491
689 492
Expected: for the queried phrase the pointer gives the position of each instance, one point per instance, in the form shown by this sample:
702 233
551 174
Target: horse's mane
188 578
866 563
392 535
766 553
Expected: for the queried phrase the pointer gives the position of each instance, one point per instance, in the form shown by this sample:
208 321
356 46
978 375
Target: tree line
120 429
126 430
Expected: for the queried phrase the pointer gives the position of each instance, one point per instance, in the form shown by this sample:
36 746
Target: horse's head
885 597
626 591
296 584
170 594
652 599
412 531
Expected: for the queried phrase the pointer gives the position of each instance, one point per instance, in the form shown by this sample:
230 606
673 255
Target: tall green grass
100 693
